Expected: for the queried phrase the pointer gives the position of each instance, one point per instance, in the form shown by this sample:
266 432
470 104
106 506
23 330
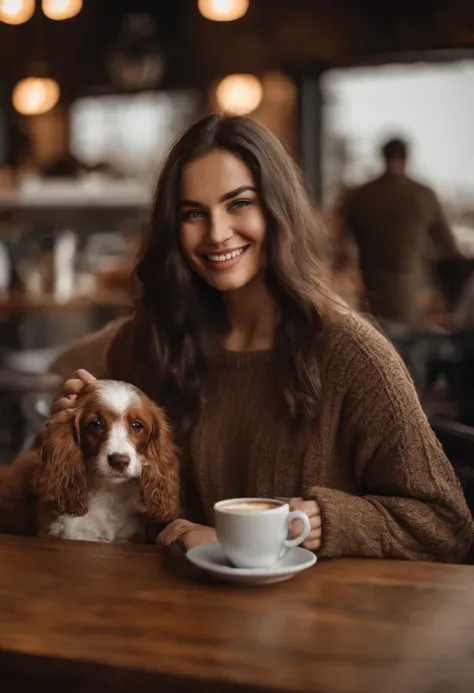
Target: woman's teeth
227 256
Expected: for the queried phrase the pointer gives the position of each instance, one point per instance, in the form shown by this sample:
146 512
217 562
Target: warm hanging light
16 11
61 9
223 10
239 94
35 95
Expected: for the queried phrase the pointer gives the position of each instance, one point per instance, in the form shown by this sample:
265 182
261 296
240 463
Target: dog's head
116 435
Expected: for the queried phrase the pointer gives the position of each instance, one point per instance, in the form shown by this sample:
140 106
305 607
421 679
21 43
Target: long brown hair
182 308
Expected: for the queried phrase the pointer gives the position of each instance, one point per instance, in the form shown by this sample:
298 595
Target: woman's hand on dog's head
64 404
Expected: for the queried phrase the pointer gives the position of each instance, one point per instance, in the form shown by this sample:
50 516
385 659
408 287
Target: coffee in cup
253 532
249 506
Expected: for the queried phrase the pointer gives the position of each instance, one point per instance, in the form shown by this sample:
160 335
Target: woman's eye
241 204
96 424
137 425
192 215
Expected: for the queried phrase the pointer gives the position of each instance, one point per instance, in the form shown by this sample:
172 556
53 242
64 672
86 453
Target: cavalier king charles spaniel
102 475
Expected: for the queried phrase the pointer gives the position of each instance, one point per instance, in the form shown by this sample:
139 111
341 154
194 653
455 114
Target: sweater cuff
351 525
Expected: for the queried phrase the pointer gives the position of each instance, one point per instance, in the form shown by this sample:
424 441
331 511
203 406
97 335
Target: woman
274 387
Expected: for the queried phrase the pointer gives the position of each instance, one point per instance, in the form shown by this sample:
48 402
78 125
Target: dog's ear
62 480
160 473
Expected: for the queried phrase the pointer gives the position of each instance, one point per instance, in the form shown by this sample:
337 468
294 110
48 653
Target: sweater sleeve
410 504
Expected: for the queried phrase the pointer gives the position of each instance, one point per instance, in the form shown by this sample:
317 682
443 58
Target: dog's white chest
113 515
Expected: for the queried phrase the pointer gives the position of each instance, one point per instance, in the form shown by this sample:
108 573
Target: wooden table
88 617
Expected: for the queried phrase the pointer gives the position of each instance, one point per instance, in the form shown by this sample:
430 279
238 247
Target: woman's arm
410 505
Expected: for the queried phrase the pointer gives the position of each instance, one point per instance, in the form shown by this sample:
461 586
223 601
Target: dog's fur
69 485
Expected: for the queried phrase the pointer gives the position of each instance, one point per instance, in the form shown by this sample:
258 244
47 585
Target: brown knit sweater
369 459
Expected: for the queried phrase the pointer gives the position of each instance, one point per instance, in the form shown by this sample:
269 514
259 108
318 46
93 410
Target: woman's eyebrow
189 203
227 196
237 191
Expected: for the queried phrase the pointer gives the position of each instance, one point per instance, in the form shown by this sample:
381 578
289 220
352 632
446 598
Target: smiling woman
222 226
230 186
274 387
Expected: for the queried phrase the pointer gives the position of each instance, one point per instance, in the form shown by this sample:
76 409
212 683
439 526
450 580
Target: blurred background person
399 227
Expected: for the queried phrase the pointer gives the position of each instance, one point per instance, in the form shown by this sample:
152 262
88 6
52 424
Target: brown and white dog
98 476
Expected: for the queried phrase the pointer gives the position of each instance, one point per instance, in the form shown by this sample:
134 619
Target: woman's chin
226 284
228 280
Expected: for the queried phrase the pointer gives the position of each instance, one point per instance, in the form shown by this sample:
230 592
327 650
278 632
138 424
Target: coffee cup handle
298 515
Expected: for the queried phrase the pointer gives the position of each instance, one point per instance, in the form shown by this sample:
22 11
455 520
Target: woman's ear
160 473
62 480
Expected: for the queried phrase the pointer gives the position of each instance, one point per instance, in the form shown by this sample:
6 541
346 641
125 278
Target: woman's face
222 226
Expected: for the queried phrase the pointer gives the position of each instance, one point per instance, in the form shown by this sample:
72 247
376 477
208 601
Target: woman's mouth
225 260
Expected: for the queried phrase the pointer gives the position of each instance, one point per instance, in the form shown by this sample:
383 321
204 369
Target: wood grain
80 616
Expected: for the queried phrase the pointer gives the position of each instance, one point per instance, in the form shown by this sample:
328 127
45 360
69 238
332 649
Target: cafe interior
92 95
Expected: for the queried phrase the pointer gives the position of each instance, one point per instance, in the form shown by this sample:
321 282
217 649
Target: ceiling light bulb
239 94
61 9
35 95
16 11
223 10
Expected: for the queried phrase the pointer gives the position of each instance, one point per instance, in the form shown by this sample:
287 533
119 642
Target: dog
102 475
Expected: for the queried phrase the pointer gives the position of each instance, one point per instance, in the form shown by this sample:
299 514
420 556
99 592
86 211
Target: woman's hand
311 508
187 533
64 404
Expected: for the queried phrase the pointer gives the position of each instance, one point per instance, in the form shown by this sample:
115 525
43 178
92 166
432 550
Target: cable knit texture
369 459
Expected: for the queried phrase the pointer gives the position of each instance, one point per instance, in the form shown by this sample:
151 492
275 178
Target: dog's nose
118 461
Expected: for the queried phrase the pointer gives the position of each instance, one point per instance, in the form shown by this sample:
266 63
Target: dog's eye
96 424
137 425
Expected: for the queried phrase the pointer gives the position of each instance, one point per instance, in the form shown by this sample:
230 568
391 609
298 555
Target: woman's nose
220 230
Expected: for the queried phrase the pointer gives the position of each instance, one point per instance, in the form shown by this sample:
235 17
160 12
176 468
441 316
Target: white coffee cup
253 532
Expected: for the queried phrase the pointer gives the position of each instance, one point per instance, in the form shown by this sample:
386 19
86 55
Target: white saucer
211 558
